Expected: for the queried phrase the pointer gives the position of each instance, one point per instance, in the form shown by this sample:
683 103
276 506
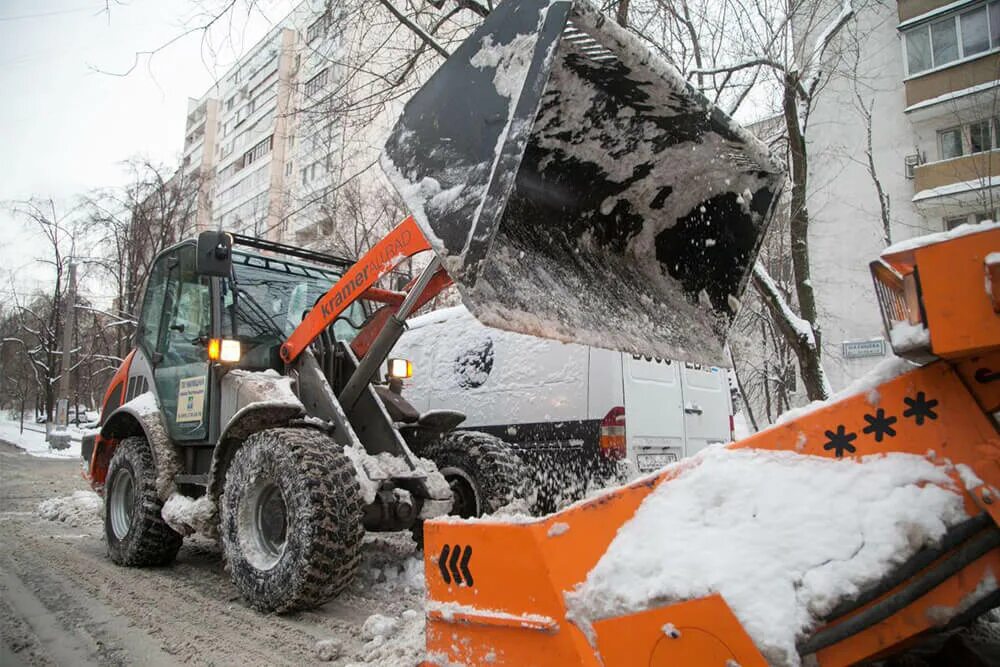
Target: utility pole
60 439
69 328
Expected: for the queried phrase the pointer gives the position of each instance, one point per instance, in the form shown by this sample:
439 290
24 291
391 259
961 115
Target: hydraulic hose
951 539
963 556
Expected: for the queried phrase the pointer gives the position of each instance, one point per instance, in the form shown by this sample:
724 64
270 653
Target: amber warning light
224 350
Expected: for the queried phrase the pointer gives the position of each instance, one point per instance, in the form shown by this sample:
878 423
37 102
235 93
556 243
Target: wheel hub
121 501
263 524
465 499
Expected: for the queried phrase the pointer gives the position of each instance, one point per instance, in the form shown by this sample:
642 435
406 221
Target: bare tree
133 224
39 318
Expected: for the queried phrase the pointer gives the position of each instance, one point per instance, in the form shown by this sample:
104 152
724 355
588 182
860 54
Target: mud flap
577 188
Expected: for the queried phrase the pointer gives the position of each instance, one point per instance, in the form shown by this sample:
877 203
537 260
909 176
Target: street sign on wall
857 349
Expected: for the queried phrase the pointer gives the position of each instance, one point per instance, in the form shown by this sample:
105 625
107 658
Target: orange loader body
496 590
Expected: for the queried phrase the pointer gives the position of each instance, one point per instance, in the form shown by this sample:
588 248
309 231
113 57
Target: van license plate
655 461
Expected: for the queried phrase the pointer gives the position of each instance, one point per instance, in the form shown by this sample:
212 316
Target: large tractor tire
291 519
134 529
483 471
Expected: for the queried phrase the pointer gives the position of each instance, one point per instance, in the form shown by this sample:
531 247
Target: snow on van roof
438 316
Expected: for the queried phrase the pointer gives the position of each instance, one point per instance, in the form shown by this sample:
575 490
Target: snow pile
189 515
83 508
906 337
373 470
392 640
328 650
784 538
390 562
392 568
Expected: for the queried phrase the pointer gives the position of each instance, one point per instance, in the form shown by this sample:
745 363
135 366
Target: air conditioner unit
910 164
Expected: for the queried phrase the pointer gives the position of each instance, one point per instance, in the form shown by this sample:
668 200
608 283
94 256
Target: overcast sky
67 126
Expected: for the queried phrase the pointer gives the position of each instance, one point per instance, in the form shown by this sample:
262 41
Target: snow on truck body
545 395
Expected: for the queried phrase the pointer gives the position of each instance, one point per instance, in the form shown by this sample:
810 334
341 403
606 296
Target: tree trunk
621 15
803 345
809 355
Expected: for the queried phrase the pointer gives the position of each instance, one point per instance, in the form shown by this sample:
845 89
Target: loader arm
405 240
502 593
392 302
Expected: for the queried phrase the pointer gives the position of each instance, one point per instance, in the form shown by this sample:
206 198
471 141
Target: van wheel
291 519
133 527
483 471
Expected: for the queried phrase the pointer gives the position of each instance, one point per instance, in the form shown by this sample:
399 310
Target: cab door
175 325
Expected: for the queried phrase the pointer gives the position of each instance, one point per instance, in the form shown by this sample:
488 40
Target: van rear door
654 422
706 405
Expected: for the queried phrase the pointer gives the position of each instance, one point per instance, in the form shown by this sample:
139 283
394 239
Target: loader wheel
483 471
291 519
135 532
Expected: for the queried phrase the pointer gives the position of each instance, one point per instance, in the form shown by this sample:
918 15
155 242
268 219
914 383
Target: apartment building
286 143
237 137
952 89
928 73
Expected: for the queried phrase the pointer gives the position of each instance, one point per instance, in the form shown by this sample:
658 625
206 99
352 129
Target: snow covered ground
32 439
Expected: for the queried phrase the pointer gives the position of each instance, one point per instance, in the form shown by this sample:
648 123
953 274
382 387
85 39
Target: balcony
962 75
966 169
907 9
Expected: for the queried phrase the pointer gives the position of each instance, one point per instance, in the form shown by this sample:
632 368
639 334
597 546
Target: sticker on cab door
191 399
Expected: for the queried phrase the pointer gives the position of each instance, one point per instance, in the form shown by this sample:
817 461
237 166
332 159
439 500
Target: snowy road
63 602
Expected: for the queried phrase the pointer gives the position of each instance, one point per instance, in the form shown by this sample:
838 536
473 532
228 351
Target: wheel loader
574 186
252 405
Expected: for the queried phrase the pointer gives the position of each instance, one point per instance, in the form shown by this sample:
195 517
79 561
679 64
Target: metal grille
890 294
587 45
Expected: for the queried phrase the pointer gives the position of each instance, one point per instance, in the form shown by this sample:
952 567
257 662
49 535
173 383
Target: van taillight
732 428
612 440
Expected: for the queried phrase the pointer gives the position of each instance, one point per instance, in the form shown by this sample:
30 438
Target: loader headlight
400 369
224 350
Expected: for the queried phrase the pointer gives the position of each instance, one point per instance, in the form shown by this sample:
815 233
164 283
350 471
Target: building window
944 41
315 84
951 143
318 27
978 137
975 31
261 149
952 223
918 50
947 40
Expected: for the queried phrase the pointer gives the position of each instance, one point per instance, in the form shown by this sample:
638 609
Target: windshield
273 295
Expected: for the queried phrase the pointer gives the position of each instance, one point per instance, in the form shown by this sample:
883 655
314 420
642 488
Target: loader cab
258 305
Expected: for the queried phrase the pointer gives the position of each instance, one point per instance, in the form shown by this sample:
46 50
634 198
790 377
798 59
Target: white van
547 396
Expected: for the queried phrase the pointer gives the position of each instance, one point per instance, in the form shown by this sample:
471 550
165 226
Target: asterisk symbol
840 441
920 407
880 425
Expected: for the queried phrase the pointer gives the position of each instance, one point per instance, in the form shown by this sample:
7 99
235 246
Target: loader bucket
577 188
